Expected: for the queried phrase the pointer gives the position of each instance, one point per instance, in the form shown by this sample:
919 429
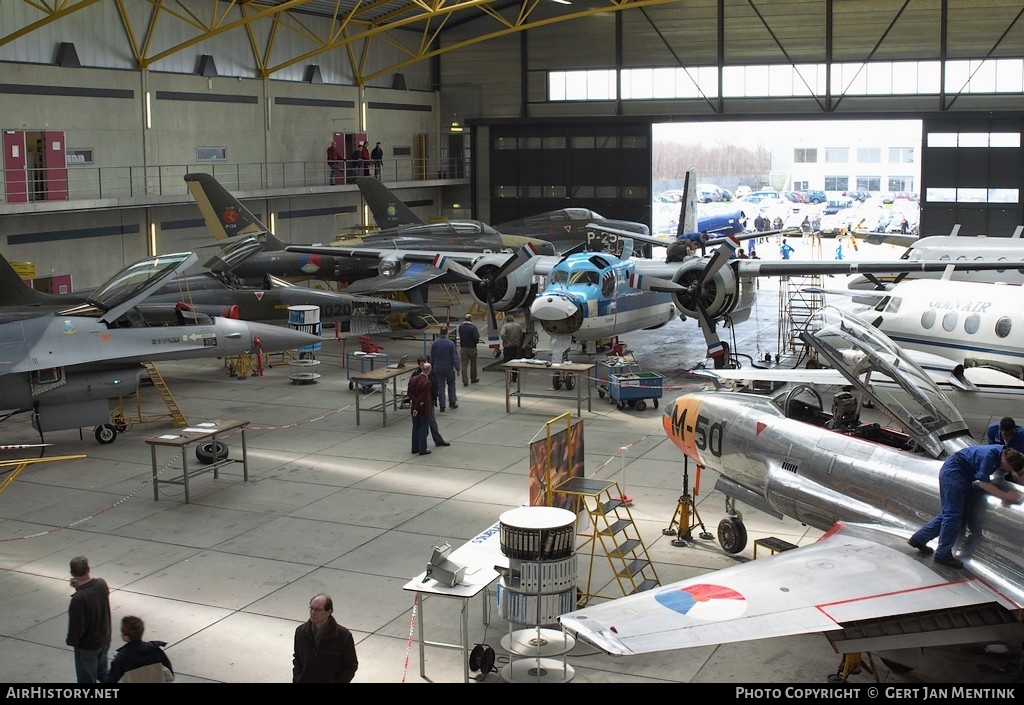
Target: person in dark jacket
89 623
424 367
445 358
137 653
422 408
469 337
325 651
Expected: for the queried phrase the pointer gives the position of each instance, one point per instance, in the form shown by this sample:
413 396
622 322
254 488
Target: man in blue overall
958 474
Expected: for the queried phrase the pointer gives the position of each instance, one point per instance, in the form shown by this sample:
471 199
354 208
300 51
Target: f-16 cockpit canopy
909 397
132 284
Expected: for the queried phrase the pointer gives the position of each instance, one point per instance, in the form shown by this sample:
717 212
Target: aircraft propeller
494 283
701 290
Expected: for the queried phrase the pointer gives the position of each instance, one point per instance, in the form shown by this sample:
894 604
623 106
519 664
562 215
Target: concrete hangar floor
345 509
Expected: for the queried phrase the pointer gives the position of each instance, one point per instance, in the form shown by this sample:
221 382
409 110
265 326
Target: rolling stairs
122 420
612 533
796 307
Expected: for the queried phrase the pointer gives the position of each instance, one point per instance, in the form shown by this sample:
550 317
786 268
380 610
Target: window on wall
582 85
792 80
901 183
837 155
869 155
211 154
805 156
869 183
78 155
973 139
901 155
837 183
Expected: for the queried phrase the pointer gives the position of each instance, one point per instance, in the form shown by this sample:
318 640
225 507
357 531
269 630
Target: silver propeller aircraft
867 486
64 358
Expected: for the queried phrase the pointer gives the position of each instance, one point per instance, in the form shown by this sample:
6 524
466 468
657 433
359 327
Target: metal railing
165 182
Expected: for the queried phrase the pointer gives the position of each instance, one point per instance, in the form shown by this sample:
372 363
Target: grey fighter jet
64 358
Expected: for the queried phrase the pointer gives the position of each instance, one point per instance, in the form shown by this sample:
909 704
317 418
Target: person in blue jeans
1006 432
89 623
956 477
444 357
425 368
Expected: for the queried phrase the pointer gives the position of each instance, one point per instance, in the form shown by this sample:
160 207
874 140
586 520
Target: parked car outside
814 196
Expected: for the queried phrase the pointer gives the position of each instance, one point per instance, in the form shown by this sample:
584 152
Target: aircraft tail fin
388 211
14 291
225 216
688 205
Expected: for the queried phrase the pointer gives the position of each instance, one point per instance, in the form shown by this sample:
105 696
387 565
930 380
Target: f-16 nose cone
277 338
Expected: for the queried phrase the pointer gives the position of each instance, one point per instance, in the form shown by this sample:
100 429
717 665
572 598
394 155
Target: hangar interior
134 95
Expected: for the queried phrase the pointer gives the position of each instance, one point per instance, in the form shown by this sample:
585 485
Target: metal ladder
612 533
121 420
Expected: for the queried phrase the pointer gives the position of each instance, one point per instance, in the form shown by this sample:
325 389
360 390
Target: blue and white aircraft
596 295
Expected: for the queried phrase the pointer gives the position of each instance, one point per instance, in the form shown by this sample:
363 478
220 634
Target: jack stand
685 509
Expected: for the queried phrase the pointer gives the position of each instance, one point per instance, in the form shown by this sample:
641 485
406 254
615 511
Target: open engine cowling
719 295
508 293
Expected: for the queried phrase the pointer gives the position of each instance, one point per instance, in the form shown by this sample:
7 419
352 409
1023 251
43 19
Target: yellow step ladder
612 533
122 420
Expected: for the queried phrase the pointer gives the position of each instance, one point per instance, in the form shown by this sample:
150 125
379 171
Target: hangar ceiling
778 30
412 26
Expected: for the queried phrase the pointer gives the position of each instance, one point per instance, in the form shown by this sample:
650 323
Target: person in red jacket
325 651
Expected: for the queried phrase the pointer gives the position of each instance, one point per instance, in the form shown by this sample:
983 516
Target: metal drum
538 533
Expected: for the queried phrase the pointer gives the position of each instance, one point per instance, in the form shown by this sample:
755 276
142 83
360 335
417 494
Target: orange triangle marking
760 427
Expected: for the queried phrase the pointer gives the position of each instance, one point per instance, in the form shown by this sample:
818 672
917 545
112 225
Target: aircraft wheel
106 433
570 382
556 382
209 451
641 405
732 535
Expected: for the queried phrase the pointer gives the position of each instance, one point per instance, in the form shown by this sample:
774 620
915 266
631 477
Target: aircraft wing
851 574
887 239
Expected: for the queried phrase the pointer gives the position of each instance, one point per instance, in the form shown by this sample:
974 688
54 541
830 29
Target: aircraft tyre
106 433
209 451
732 535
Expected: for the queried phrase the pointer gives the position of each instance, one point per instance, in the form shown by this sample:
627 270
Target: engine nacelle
389 267
507 294
719 296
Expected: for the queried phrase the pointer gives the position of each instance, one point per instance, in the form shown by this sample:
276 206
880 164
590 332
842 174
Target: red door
15 163
55 162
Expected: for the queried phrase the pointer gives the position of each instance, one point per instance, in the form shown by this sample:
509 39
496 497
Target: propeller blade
449 265
646 283
523 255
493 340
722 255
